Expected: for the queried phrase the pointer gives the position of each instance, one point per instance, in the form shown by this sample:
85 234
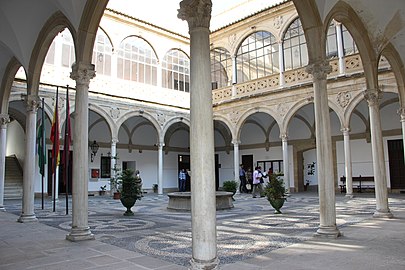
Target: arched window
221 68
176 71
102 54
137 61
349 46
68 49
295 46
257 56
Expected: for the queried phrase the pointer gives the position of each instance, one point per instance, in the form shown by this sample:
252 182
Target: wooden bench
359 182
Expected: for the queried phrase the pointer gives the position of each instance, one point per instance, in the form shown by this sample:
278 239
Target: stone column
27 214
281 62
4 120
82 74
373 97
326 178
286 170
160 167
203 197
236 162
341 53
348 162
113 161
401 112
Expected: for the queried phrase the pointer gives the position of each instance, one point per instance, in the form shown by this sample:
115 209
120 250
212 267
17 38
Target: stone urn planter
275 192
130 190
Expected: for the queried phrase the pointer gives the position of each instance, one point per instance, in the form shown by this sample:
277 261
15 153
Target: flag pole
43 150
66 150
55 151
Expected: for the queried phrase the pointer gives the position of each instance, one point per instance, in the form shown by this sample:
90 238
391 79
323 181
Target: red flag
67 139
55 135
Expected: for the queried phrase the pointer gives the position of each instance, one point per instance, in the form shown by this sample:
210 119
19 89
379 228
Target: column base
204 265
27 218
80 234
2 209
383 214
328 232
350 196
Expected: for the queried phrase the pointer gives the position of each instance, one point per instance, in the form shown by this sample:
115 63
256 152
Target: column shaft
203 195
381 193
348 162
160 168
326 183
113 162
4 120
236 163
27 214
286 170
82 74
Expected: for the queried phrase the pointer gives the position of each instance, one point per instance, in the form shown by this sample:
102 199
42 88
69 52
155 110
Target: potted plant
131 191
275 192
155 188
102 190
230 186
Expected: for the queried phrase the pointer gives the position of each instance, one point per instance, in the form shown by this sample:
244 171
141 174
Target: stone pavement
250 236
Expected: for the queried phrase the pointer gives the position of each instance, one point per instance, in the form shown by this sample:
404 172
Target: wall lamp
94 148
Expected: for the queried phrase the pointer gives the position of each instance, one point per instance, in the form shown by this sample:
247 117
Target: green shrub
230 186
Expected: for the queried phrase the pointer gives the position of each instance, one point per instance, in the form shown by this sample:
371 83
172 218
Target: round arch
245 116
143 114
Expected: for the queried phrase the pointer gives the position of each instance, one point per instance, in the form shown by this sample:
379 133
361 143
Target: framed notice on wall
95 173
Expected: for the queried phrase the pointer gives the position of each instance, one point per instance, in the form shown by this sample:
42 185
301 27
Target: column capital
284 137
372 96
114 140
32 102
160 145
4 119
235 142
401 113
319 70
82 73
196 12
345 130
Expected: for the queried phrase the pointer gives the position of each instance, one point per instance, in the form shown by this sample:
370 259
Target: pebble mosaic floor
249 229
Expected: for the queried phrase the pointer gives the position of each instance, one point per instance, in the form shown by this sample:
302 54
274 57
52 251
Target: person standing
257 185
242 178
182 180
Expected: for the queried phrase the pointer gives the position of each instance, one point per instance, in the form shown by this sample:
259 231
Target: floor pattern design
249 229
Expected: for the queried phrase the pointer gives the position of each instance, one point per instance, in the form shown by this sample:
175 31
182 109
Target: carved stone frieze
161 118
282 109
234 116
343 98
278 22
232 40
115 112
